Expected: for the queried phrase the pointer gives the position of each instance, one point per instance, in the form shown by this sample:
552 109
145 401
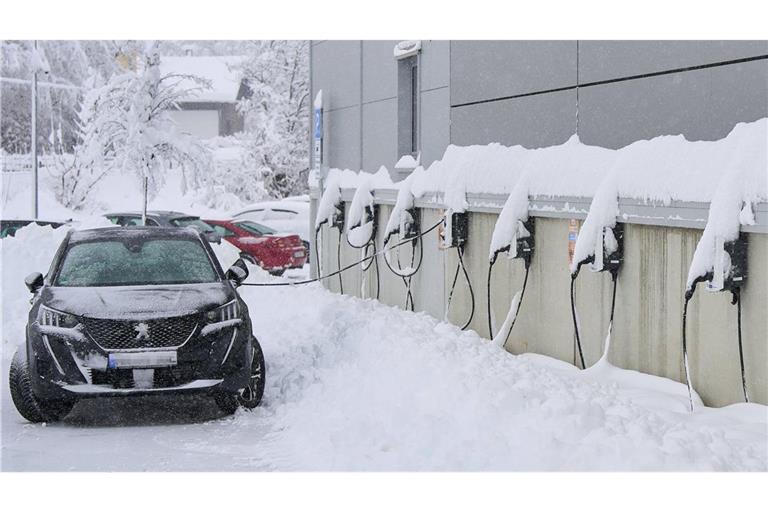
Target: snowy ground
356 385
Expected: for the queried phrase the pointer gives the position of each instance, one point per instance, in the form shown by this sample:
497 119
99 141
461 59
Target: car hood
137 302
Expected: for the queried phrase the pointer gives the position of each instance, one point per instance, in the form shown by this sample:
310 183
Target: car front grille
127 335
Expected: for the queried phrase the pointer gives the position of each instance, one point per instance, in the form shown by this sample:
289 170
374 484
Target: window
135 262
408 105
195 222
254 228
222 231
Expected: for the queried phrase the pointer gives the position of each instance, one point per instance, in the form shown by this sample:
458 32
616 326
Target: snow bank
662 169
357 385
30 250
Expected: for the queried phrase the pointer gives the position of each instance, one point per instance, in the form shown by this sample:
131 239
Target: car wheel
250 397
29 406
278 272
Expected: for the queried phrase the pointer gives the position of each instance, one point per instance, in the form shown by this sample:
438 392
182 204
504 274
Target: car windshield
135 262
194 222
255 228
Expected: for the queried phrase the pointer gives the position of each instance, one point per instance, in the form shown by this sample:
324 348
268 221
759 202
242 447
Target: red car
263 246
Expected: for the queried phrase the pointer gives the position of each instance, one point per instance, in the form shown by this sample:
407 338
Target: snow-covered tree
277 116
125 126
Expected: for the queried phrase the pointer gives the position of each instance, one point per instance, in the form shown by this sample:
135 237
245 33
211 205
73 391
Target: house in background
209 112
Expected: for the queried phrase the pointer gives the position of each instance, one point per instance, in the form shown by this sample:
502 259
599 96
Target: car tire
277 273
250 397
29 406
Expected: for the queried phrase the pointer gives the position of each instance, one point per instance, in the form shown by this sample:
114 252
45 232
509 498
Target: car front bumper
66 368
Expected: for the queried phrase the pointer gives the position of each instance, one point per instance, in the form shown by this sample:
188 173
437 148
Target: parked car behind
135 311
263 246
10 226
282 216
166 219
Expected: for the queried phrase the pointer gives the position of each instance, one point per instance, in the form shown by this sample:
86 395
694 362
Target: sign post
317 137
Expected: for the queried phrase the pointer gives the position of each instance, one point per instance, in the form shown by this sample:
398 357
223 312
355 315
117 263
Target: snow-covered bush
125 126
277 116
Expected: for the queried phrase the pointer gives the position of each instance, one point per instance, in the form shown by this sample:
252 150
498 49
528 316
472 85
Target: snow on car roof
298 206
107 233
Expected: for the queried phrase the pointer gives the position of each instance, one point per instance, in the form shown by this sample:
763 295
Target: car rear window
194 222
135 262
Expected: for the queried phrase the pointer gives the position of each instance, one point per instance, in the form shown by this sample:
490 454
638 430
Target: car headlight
51 317
229 311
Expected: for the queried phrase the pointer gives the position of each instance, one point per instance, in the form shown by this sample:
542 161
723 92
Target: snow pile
331 198
731 206
603 211
404 202
509 225
356 385
359 225
30 250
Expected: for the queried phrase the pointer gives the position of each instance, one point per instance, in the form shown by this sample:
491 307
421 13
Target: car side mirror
238 272
34 281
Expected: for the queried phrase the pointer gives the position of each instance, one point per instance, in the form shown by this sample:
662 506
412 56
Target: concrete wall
647 330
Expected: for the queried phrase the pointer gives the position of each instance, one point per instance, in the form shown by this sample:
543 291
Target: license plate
142 359
298 254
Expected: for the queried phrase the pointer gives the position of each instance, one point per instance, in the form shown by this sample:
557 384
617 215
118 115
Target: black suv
135 311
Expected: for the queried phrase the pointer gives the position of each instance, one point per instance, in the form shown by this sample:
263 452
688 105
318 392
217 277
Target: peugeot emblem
142 331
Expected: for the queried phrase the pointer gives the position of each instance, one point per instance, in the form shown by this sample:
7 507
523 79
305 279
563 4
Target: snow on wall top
664 168
225 80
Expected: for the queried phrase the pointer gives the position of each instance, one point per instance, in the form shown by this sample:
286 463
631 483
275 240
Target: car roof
133 232
299 206
168 214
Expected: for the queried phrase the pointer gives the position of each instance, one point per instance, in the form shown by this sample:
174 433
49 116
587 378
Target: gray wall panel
435 64
603 60
379 70
492 69
435 124
379 135
532 121
342 141
336 70
702 105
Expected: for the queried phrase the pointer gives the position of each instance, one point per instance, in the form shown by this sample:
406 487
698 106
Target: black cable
488 297
347 267
575 320
737 300
685 349
519 303
460 253
406 276
338 263
317 250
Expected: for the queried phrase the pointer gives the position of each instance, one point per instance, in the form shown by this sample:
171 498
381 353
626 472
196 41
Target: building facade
208 111
383 100
379 107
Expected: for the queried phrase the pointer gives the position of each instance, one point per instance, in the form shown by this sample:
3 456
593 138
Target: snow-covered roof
225 80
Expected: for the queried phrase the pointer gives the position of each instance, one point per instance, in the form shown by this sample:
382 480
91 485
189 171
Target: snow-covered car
135 311
165 218
282 216
10 226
